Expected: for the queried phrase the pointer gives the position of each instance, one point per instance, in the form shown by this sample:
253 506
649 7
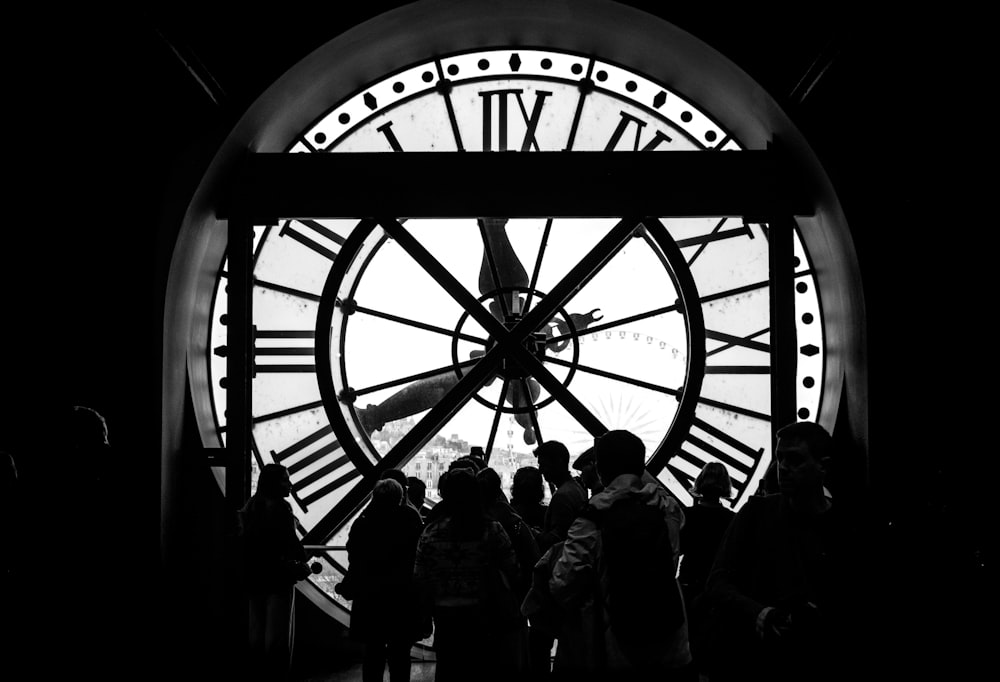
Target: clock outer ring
688 305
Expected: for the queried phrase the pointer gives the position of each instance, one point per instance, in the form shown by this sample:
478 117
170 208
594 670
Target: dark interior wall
110 133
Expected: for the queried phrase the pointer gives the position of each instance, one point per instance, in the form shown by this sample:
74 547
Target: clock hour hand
509 270
419 396
516 396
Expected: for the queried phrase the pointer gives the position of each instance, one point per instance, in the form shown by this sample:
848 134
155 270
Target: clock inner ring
520 383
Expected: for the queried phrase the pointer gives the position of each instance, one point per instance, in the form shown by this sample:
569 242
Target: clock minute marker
586 86
443 87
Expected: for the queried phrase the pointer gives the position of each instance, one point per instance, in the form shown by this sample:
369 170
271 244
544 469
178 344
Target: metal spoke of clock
412 441
285 290
731 341
614 323
444 277
578 277
420 325
615 377
494 272
440 371
538 264
563 395
496 419
734 292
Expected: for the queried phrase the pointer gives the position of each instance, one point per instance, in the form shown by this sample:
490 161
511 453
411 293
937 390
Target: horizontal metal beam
544 184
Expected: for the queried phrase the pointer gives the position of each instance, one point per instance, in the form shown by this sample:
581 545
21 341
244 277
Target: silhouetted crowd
613 579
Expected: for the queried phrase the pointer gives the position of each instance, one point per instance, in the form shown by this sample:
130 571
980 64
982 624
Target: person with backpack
618 568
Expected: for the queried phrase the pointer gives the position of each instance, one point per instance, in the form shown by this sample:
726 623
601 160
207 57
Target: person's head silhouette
619 452
553 461
712 483
274 482
804 454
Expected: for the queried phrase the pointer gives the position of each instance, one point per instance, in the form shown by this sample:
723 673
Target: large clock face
523 329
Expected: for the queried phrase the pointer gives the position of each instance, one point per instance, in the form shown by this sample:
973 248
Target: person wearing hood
580 577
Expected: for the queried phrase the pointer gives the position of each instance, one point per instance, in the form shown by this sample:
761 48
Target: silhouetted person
525 549
787 584
568 499
588 477
381 550
527 492
568 496
705 523
521 537
416 493
400 478
460 554
86 513
478 456
274 561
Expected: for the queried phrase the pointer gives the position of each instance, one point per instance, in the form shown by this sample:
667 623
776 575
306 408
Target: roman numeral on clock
301 458
390 137
295 354
738 457
502 99
328 244
631 122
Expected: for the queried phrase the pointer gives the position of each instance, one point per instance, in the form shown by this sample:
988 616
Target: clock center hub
535 344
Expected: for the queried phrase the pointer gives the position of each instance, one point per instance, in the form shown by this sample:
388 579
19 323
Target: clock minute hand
500 268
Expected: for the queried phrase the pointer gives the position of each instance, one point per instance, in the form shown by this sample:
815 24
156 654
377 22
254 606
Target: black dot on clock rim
547 64
802 287
428 76
602 76
320 138
344 118
483 64
710 136
631 86
577 69
807 318
796 261
808 382
803 413
686 116
452 70
398 86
